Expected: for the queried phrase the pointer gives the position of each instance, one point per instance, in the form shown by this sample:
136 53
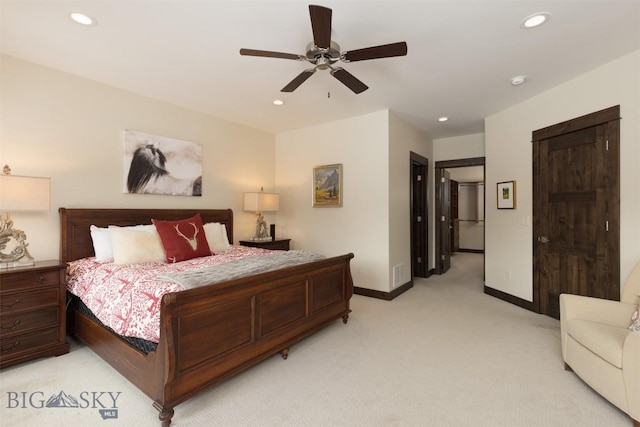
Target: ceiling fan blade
321 25
349 80
374 52
300 78
269 54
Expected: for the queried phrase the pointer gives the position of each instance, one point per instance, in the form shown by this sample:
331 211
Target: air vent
397 275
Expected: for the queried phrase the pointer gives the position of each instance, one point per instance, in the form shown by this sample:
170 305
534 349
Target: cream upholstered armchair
599 347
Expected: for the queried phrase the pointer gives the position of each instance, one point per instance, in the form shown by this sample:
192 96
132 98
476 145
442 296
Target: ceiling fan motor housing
323 58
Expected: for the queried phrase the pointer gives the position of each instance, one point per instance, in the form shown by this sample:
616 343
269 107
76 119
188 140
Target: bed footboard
213 332
209 334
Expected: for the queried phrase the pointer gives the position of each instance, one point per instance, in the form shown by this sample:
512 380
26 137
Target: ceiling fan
323 53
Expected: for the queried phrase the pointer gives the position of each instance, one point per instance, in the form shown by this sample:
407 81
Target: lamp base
19 255
23 262
260 239
261 228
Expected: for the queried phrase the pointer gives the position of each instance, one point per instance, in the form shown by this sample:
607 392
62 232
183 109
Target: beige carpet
442 354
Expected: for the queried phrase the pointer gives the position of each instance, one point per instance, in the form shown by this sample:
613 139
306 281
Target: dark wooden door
445 222
576 210
454 217
419 223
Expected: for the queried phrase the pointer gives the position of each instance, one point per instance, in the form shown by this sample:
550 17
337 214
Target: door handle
543 239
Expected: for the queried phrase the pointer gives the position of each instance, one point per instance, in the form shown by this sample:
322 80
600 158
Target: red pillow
183 239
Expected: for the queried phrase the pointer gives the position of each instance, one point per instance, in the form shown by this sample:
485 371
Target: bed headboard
75 238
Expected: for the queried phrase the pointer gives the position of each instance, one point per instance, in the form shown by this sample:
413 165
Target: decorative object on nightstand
259 202
19 194
274 245
32 312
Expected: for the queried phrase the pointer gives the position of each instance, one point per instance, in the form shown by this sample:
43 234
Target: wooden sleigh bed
210 333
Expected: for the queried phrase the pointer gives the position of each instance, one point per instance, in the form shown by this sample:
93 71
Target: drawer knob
8 328
42 279
17 300
13 347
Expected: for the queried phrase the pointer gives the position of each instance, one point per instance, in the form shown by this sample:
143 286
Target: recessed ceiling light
534 20
278 102
518 80
83 19
443 119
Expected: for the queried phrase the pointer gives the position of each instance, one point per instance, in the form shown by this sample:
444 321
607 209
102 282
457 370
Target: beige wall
403 139
508 157
373 221
72 129
361 225
459 147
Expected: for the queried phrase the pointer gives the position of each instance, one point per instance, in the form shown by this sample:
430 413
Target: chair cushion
603 340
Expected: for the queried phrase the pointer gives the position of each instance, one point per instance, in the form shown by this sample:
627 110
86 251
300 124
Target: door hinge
442 257
442 179
606 226
442 218
419 218
606 145
419 178
419 259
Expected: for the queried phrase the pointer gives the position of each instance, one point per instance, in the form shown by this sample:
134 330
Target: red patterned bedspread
127 297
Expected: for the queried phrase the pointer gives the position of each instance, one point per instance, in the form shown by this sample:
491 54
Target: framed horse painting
158 165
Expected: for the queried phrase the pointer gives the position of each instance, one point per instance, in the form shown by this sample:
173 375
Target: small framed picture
507 195
327 186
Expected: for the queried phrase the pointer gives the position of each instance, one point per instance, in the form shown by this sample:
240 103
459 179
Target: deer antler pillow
183 239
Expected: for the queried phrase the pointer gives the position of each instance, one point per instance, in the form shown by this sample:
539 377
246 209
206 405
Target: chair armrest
613 313
631 372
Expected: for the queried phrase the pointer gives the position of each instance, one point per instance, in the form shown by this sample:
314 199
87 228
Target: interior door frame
439 170
416 160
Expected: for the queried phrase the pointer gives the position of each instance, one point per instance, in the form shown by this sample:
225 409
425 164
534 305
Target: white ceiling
461 54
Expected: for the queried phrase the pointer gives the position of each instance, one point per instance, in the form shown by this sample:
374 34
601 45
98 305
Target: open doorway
452 223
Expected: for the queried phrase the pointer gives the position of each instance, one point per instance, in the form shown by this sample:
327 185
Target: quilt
127 298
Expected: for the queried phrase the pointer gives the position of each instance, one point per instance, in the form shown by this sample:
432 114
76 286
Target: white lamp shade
261 202
24 193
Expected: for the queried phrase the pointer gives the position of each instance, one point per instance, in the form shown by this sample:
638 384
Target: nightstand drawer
32 312
29 280
15 324
11 346
19 301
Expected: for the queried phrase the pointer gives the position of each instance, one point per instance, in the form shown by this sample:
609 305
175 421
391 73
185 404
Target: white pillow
101 238
101 243
216 234
136 245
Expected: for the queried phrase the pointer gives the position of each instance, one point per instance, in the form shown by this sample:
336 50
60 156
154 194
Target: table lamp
19 194
259 202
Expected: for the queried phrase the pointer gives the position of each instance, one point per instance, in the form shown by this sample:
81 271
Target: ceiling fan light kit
323 53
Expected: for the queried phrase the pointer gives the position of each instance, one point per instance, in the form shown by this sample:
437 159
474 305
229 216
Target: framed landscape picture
327 186
506 194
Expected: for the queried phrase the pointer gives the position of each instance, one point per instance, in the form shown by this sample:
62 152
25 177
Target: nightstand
32 312
274 245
